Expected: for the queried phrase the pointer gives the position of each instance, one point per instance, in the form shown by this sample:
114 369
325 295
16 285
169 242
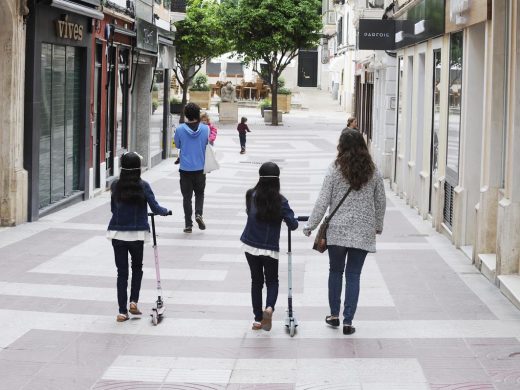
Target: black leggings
260 266
121 250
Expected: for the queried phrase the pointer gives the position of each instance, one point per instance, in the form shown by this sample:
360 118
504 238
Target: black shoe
178 161
348 329
200 222
332 321
187 229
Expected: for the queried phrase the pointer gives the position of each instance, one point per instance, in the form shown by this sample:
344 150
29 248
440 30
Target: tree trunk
274 99
184 100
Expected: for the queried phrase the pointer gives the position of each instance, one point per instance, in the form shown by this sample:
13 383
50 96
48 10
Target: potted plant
155 105
265 104
175 105
200 91
155 92
284 96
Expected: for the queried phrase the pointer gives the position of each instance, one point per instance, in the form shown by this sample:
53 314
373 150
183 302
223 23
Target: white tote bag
211 163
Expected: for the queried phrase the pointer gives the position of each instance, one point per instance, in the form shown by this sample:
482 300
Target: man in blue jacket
191 139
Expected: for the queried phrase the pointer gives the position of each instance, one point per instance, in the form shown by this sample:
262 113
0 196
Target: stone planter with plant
265 104
175 105
200 91
155 105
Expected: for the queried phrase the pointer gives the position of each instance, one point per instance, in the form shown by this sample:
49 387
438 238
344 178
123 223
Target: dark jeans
192 182
355 261
121 250
260 266
242 141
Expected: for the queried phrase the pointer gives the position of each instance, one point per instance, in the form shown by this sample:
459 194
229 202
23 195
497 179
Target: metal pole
166 115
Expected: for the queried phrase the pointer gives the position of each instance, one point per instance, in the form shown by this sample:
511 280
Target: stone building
13 177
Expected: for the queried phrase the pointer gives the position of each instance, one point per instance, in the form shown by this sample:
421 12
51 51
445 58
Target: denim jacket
132 217
264 235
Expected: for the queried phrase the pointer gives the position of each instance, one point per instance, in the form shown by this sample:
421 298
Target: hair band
271 176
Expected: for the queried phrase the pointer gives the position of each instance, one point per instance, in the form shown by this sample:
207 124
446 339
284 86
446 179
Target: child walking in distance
242 129
128 229
266 209
204 118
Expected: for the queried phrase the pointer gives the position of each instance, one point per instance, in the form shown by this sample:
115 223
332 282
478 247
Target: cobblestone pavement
426 319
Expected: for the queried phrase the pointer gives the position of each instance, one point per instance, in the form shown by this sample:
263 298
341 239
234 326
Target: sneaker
267 319
188 229
122 317
242 152
348 329
200 222
256 326
134 310
332 321
178 161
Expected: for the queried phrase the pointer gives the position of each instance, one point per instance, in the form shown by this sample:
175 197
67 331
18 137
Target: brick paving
427 318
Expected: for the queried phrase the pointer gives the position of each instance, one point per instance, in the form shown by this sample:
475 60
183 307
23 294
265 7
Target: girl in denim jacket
128 229
266 209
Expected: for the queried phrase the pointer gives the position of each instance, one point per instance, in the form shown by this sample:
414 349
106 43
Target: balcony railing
178 6
124 6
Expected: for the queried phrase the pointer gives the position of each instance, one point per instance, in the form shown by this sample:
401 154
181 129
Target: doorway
436 124
307 68
96 120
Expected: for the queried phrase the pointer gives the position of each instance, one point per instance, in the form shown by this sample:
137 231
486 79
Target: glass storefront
436 122
400 74
60 115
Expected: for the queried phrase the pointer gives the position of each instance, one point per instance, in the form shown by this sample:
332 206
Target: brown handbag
320 242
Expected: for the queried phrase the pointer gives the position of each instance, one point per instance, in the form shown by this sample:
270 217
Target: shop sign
376 34
147 37
68 30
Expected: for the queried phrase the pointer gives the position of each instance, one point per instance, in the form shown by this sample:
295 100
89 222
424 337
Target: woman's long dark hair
354 160
128 188
268 200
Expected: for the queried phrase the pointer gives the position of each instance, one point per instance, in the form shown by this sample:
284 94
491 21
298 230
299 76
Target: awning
77 9
123 31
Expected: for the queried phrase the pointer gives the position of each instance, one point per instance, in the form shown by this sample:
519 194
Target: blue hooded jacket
192 144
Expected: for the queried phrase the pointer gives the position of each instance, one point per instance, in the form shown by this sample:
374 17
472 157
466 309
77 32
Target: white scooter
159 308
290 321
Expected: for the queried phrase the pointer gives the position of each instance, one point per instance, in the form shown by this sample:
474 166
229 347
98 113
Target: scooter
290 321
159 308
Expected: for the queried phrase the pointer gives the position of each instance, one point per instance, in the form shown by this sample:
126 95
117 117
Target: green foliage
200 83
265 103
155 104
272 31
175 100
284 91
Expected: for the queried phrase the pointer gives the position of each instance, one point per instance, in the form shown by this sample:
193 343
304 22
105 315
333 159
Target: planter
268 116
262 109
175 108
201 98
284 103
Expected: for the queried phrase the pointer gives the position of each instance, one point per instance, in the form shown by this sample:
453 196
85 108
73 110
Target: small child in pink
204 118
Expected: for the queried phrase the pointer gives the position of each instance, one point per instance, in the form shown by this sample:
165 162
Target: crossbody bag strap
339 204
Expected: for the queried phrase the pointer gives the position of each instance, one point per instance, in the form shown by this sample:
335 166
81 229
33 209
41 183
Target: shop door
308 68
96 123
60 127
111 123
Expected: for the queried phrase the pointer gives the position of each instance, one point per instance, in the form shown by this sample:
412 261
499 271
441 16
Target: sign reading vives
69 30
376 34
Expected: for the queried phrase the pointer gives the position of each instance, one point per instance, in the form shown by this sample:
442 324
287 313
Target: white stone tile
263 376
182 375
135 374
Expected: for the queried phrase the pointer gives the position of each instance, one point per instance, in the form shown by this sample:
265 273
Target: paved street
427 319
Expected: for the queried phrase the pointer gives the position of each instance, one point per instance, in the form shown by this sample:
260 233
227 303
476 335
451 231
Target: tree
272 31
199 37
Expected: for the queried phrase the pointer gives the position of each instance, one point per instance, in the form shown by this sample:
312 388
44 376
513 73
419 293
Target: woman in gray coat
352 230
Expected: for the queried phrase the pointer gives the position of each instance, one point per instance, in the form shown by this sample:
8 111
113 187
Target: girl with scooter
129 229
266 209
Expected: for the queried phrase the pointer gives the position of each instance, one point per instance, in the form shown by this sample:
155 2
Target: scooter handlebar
303 218
154 215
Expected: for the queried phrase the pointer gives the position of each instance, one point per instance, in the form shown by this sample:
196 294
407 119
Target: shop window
122 100
400 69
454 108
436 122
60 115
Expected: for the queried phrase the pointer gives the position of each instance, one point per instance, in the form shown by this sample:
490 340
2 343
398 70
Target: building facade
13 176
456 135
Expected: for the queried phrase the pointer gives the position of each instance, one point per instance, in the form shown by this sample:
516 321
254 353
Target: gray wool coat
359 217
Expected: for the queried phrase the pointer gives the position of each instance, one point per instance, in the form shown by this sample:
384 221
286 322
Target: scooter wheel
155 317
292 329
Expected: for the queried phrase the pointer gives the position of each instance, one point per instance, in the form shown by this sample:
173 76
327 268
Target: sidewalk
427 319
